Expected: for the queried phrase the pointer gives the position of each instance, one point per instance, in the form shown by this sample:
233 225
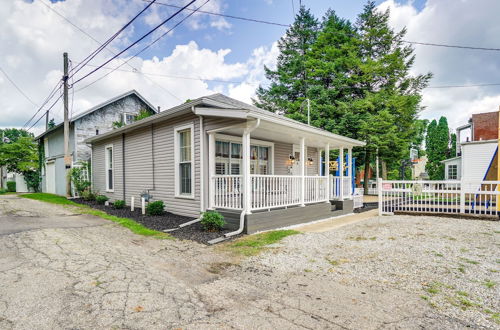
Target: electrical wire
99 43
451 46
135 42
144 49
47 99
224 15
17 87
82 64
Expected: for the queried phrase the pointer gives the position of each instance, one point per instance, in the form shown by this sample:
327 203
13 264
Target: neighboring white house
452 168
97 120
475 163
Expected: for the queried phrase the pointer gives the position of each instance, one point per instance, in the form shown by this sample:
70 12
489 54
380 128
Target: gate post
462 196
380 202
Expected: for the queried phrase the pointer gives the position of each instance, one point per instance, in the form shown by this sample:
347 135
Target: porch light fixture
291 159
310 161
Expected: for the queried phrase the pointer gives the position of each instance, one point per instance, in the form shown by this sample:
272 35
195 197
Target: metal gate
453 197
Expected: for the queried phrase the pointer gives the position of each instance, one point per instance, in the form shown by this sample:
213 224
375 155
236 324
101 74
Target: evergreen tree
437 146
288 86
389 94
453 146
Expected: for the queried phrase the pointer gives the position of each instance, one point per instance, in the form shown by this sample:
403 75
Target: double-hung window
184 166
452 172
229 157
109 167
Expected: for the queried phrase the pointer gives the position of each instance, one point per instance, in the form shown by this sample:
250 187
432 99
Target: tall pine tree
390 96
438 142
288 87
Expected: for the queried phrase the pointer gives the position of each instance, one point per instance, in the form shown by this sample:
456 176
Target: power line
224 15
98 42
82 64
171 76
465 86
43 114
136 42
17 87
451 46
149 45
47 99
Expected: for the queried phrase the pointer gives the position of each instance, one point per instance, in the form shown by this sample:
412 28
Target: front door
50 177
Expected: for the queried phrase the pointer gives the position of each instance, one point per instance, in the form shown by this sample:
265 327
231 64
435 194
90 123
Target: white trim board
177 158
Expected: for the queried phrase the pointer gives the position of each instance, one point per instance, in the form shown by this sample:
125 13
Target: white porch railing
267 191
228 192
335 187
454 197
271 191
315 189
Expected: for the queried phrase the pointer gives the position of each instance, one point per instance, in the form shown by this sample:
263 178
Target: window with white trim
184 161
109 167
452 172
229 156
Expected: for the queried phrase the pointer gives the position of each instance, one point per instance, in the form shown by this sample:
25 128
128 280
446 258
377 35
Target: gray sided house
92 122
260 169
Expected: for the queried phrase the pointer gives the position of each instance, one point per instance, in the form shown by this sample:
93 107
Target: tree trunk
367 171
384 170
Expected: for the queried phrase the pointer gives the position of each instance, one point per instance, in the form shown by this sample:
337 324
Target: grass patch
469 261
489 284
462 293
133 226
361 238
254 244
461 268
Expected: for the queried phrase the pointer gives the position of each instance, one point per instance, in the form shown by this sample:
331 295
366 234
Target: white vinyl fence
453 197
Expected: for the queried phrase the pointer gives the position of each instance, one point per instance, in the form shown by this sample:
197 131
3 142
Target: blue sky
33 38
245 36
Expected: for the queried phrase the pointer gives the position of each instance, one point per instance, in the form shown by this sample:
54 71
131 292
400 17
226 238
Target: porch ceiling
276 132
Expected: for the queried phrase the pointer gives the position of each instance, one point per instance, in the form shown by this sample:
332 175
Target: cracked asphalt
61 270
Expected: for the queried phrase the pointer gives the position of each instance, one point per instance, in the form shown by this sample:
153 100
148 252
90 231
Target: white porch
250 183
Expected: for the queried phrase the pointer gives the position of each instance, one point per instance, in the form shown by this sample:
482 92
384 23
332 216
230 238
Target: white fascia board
214 112
305 128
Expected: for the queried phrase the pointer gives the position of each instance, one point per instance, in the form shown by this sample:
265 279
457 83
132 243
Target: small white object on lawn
143 205
132 203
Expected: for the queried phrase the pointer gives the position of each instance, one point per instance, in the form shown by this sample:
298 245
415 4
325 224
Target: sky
207 54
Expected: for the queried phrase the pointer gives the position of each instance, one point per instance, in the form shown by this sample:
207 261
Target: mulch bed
168 220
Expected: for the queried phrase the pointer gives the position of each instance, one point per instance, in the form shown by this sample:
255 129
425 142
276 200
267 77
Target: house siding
476 158
143 173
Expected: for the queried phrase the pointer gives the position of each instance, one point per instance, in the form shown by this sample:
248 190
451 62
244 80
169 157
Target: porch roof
273 126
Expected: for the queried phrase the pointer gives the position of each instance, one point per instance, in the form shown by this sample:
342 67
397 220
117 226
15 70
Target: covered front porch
259 165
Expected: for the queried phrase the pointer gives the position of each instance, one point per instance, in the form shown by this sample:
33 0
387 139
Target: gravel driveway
368 275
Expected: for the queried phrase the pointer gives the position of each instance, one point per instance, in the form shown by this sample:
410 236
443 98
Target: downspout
153 156
123 166
246 185
202 165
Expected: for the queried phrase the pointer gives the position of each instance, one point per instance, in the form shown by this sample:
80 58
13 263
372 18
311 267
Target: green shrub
155 208
2 191
78 177
11 186
119 204
88 195
101 199
212 220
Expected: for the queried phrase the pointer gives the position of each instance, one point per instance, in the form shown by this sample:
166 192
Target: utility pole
67 157
47 120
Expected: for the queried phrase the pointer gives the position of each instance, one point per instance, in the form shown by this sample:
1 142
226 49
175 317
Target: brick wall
485 126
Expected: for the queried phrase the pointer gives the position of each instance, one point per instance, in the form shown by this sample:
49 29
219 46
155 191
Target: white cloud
473 23
32 56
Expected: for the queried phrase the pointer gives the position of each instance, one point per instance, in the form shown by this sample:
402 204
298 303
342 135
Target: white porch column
247 180
341 173
349 171
327 171
211 169
303 157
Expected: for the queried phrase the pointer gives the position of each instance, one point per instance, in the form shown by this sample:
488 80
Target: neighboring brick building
485 126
